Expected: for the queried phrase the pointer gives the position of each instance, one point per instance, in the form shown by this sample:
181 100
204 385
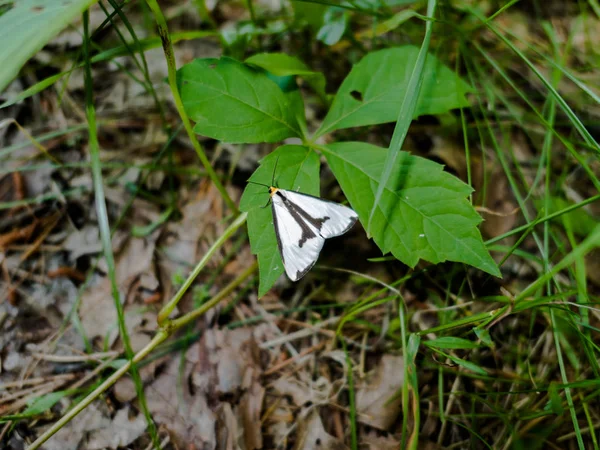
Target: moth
302 223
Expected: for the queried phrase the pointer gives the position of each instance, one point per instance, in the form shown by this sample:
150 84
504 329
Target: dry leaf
250 410
375 442
97 311
312 434
225 358
228 431
104 432
183 412
377 402
304 391
120 432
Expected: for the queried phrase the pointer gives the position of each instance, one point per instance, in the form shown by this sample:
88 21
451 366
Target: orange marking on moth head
272 191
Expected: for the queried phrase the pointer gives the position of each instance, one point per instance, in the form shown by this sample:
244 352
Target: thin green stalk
180 170
405 115
529 227
104 227
345 6
204 13
166 311
523 96
163 32
110 54
587 245
75 192
413 348
500 154
252 13
556 332
405 385
194 315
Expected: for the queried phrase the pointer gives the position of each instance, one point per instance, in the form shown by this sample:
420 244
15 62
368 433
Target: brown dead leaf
97 311
225 358
375 442
223 362
185 413
183 242
101 431
312 434
228 429
83 242
377 402
250 409
121 431
302 389
124 389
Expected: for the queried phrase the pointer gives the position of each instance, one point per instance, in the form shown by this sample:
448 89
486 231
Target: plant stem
163 32
163 315
193 315
158 339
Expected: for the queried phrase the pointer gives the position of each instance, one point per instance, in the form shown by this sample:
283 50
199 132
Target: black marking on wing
277 231
301 273
301 217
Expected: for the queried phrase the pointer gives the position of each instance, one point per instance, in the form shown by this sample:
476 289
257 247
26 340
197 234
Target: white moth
302 223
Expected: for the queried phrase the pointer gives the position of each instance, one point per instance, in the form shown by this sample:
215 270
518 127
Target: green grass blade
556 331
27 27
500 33
406 113
104 228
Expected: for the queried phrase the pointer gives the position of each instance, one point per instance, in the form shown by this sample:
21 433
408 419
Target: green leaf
281 65
424 212
374 90
44 403
484 336
451 342
464 363
145 230
297 169
28 26
232 102
335 21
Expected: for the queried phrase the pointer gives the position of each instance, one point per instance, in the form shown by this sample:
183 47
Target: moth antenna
260 184
274 170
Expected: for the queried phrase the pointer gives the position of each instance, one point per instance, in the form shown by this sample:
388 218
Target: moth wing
299 242
334 219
